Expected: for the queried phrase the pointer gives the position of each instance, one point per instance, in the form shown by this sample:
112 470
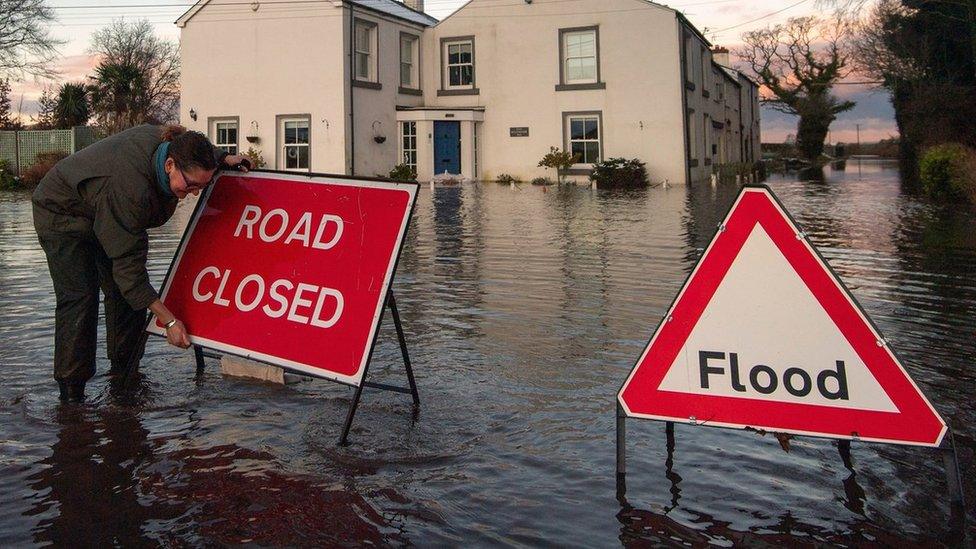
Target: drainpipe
352 90
683 62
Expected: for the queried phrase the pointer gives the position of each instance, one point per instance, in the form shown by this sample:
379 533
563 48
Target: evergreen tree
6 122
46 105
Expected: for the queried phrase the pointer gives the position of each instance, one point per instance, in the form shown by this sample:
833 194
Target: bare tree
26 45
798 63
137 79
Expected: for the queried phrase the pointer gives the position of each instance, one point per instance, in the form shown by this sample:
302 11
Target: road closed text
295 301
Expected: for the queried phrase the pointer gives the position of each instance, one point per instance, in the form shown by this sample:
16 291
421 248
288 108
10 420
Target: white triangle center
785 346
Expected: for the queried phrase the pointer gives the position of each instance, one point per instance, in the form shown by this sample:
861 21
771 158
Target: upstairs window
579 56
409 57
460 64
365 38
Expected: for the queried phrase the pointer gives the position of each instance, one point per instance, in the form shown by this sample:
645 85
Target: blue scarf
161 177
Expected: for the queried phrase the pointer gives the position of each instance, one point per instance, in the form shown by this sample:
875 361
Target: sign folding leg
412 390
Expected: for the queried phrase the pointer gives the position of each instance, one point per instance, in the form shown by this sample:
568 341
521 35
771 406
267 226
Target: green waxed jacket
109 191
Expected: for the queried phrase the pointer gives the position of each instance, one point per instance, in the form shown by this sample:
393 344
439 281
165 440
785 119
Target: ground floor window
584 137
295 143
408 144
224 135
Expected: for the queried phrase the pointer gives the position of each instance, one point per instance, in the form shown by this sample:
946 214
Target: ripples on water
524 311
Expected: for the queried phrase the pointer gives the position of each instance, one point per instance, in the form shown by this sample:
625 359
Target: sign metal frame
204 348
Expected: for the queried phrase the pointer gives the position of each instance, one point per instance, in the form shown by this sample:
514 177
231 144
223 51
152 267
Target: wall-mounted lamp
193 114
252 134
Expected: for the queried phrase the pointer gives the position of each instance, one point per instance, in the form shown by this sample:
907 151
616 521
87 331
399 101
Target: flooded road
524 310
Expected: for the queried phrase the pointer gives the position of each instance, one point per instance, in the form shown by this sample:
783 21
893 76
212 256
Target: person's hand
238 162
176 335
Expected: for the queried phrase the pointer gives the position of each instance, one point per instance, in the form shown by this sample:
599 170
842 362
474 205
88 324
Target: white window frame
369 50
584 116
412 65
565 57
408 154
283 146
447 65
231 147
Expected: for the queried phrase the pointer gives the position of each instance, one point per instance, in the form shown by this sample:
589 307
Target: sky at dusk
722 21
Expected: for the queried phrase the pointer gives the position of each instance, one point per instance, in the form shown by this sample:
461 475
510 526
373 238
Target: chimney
415 4
721 56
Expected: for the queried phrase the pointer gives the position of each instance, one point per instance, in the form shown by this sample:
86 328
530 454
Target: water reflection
91 480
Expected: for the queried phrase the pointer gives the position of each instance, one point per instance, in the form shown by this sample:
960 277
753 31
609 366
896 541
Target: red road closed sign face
764 335
290 269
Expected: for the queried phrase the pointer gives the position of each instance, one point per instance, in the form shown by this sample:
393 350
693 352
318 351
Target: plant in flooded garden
946 170
256 158
403 172
620 172
42 164
8 181
542 181
560 161
505 178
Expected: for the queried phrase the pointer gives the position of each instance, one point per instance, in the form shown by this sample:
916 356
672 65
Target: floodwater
524 310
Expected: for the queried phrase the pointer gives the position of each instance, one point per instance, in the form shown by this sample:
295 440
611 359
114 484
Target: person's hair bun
170 131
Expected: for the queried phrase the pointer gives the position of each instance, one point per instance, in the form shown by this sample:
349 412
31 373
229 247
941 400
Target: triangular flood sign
764 335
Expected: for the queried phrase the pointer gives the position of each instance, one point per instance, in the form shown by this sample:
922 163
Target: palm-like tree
117 95
72 107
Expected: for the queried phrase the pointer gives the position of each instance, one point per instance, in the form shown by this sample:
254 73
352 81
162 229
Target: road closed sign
764 335
290 269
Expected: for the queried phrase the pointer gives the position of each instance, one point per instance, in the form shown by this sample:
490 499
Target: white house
358 86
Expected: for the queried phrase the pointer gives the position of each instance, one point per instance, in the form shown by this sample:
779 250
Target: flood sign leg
621 452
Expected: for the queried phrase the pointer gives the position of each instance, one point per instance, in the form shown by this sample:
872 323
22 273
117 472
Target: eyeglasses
193 185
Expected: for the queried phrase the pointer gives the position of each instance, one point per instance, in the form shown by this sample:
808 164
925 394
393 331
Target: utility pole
858 138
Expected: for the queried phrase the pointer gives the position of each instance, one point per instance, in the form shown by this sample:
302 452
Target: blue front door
447 147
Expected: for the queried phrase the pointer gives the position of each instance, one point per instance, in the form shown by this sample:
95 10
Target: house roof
396 9
388 7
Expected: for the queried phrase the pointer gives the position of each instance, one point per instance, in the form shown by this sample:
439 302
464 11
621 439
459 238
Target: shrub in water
403 172
940 166
542 181
256 158
558 160
505 178
43 163
620 172
8 180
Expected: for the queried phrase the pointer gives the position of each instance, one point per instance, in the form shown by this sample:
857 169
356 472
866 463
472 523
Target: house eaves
390 8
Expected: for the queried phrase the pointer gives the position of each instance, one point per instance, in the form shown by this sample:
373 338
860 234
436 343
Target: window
365 48
224 135
706 129
583 136
294 143
692 136
408 144
704 72
579 56
409 55
460 64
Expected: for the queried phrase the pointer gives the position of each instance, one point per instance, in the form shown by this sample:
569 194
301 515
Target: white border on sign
355 380
837 282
